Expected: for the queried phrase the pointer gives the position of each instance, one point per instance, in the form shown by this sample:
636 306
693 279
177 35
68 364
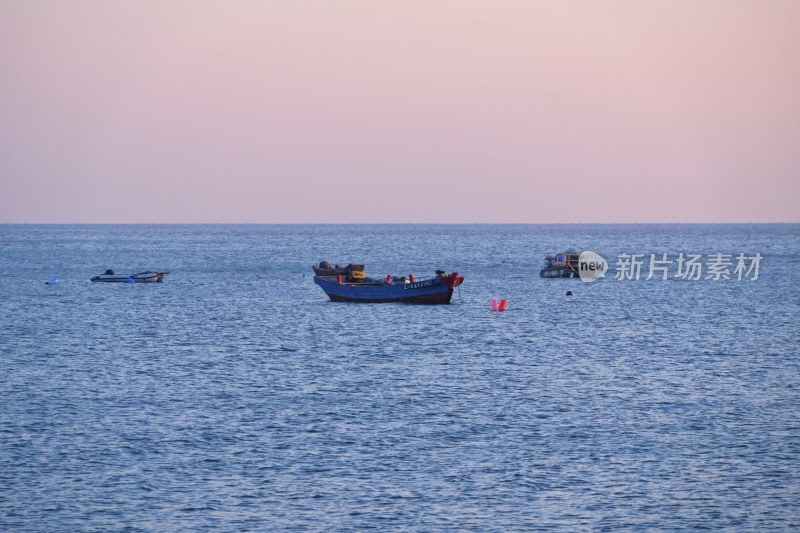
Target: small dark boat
563 265
324 268
142 277
358 288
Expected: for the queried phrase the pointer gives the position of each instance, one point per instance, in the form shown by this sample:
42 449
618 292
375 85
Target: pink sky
399 111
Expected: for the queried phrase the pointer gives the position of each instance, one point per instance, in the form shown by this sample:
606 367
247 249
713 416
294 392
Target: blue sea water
236 397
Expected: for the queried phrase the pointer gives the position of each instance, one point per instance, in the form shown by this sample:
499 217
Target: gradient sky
399 111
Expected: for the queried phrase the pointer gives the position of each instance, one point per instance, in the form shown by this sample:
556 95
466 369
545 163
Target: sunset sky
399 111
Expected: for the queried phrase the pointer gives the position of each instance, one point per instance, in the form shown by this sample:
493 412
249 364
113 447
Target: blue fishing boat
359 288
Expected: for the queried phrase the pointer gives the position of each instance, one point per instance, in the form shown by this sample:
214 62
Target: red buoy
499 306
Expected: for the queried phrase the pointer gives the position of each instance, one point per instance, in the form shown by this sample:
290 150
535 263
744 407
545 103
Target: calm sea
236 397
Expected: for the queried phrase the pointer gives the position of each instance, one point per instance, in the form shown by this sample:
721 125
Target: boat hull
560 272
434 291
142 277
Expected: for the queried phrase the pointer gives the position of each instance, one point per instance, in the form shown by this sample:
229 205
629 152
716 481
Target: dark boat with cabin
563 265
142 277
358 288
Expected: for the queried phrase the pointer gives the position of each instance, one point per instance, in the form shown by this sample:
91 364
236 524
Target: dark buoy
569 293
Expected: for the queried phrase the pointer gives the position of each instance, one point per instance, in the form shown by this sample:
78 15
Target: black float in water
569 293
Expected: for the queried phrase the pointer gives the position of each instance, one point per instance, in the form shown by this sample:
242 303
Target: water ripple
235 397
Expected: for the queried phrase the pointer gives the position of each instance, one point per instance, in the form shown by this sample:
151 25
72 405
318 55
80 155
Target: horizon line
386 223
